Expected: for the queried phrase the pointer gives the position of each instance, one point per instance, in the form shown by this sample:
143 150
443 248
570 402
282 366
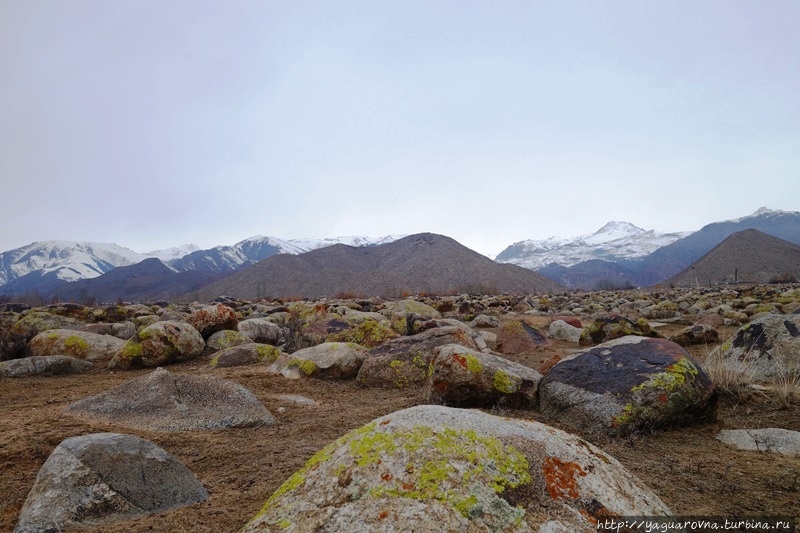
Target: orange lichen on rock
560 478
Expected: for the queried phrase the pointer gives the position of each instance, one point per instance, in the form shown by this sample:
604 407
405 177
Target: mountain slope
745 256
225 259
426 262
147 281
66 260
673 258
616 241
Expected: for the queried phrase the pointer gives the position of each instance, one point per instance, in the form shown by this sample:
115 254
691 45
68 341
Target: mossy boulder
213 318
626 385
329 360
35 322
245 354
226 338
73 343
368 333
405 361
614 327
468 378
413 306
434 468
160 344
769 346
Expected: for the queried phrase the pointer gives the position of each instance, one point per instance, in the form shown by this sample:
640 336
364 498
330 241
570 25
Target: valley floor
691 471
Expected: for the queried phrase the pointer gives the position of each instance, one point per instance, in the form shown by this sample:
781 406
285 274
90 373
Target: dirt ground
691 471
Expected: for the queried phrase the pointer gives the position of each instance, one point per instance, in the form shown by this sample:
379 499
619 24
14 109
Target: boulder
36 322
769 345
226 339
245 354
329 360
463 377
484 321
368 333
571 320
627 384
517 336
261 330
211 319
78 344
714 320
773 440
413 306
564 331
48 364
120 330
697 334
434 468
95 479
160 344
162 401
405 361
614 327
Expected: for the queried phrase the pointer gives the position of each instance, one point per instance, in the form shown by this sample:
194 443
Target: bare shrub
293 325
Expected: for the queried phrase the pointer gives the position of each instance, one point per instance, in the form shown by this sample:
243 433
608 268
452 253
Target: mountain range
645 269
618 255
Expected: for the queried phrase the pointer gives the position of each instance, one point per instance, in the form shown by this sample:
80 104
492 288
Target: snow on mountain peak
615 241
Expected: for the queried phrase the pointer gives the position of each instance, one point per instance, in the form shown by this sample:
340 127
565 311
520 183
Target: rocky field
269 406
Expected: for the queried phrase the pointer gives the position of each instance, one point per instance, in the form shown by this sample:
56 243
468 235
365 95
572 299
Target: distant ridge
748 256
422 263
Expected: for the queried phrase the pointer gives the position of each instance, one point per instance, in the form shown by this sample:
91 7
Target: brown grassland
691 471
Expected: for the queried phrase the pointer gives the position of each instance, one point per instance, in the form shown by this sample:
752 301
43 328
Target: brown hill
423 263
748 256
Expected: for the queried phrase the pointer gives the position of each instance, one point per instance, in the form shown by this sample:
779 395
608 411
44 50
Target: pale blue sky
157 123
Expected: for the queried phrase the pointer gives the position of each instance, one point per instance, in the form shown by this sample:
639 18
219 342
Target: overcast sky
153 123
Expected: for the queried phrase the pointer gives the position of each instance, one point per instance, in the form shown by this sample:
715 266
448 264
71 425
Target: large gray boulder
561 330
772 440
95 479
163 401
159 344
262 330
628 384
329 360
769 347
78 344
46 364
434 468
405 361
462 377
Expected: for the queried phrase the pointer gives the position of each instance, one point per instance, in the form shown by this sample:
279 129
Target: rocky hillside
423 263
748 256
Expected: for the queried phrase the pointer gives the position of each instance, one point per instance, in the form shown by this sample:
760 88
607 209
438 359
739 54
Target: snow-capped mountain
352 240
259 247
67 260
72 260
170 254
616 241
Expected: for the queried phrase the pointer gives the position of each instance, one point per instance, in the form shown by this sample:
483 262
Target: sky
154 124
